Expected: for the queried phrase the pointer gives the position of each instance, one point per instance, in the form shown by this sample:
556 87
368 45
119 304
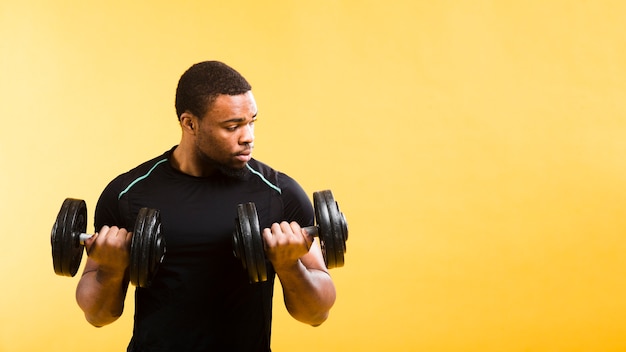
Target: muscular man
201 298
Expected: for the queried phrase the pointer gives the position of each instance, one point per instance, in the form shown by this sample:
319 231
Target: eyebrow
238 119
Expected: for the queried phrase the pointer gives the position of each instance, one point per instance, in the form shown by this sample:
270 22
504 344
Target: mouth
244 155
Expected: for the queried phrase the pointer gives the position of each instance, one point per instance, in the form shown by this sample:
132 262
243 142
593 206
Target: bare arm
307 286
102 288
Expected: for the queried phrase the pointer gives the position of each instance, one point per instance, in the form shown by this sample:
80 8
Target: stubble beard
228 171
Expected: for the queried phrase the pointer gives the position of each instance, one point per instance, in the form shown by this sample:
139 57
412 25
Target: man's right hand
110 249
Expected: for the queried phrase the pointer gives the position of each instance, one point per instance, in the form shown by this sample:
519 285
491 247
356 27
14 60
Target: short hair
200 85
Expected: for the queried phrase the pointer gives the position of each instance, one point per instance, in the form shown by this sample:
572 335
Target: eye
235 125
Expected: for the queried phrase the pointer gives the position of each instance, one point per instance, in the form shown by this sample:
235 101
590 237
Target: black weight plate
339 228
67 252
249 243
238 246
147 247
244 241
157 246
333 229
325 233
136 245
257 242
144 249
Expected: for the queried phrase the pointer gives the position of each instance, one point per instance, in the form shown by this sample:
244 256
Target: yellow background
476 148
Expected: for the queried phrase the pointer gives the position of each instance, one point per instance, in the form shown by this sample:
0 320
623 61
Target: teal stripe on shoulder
273 186
138 179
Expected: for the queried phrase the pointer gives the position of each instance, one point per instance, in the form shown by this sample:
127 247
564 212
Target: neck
185 160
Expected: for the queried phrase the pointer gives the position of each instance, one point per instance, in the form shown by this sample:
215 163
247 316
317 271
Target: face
225 135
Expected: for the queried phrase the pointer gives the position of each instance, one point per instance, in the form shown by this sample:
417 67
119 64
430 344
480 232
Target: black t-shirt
201 298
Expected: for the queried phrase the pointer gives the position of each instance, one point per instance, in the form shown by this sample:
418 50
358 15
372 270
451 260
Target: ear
188 122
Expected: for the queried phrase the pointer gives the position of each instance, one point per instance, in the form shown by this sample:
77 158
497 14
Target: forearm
101 296
309 293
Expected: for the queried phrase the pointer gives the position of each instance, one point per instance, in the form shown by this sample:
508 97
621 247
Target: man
201 298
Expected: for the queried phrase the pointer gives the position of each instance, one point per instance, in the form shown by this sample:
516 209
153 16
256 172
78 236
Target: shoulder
279 181
296 203
146 168
124 181
107 207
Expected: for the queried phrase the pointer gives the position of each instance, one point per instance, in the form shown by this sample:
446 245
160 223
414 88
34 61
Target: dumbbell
331 229
147 247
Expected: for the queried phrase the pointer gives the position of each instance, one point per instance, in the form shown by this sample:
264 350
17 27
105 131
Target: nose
247 134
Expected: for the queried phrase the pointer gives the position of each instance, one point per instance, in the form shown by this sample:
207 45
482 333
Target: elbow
313 317
97 315
99 321
314 320
98 312
319 320
320 315
95 323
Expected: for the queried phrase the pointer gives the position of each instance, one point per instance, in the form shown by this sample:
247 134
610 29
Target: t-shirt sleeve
108 209
297 205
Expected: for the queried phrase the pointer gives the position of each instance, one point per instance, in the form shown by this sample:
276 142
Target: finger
288 228
120 239
300 235
308 239
268 237
89 242
309 233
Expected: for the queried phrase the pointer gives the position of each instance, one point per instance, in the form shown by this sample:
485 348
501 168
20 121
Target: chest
202 214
